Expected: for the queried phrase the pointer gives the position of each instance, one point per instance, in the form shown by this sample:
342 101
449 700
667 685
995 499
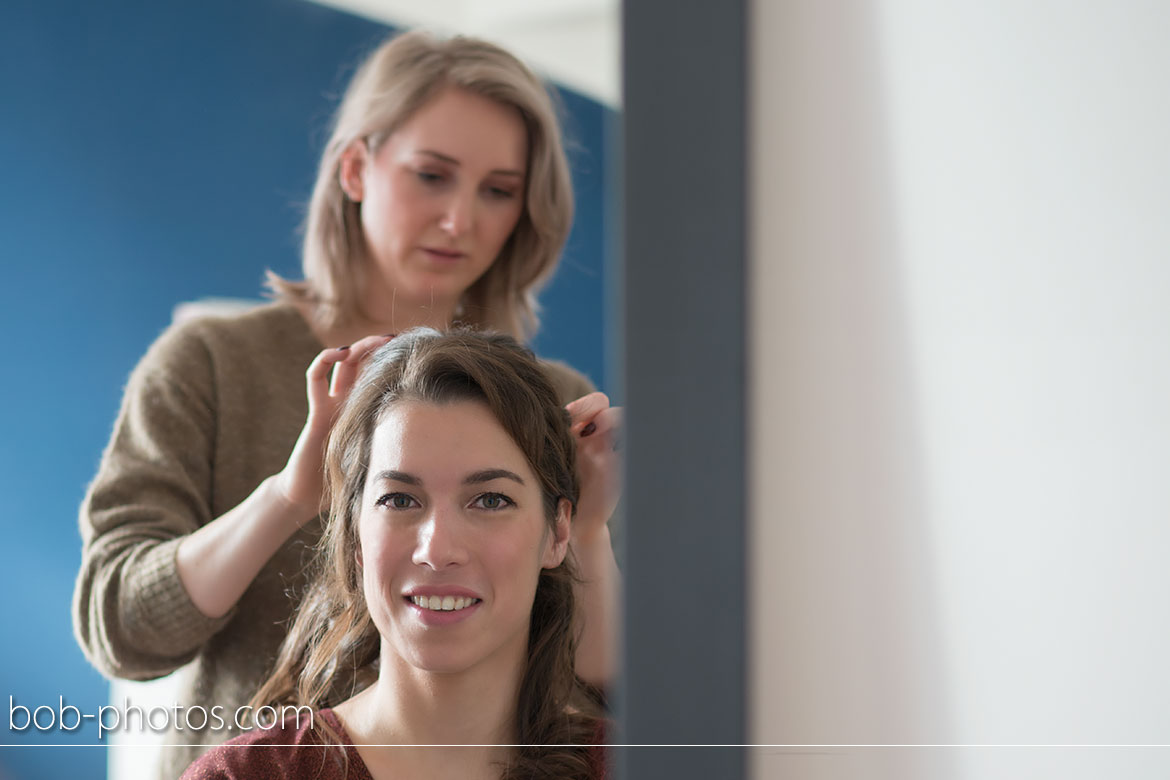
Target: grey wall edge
684 248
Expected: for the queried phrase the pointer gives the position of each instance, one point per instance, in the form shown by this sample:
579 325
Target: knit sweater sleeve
132 615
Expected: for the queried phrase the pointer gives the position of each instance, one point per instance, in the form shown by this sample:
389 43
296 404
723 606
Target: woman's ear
558 541
352 170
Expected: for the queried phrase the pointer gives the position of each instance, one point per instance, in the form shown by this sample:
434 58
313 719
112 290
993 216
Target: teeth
443 603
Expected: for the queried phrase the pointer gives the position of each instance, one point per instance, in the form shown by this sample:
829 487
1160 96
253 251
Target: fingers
346 370
333 372
605 423
595 420
317 375
584 409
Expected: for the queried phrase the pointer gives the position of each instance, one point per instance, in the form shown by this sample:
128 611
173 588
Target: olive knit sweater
212 410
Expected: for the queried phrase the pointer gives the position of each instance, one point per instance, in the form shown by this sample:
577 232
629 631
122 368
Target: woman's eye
429 177
493 501
501 193
398 501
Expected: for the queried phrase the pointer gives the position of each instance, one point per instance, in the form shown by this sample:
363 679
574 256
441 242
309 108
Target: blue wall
153 153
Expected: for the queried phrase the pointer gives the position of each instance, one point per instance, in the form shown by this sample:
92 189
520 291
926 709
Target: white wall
576 43
962 406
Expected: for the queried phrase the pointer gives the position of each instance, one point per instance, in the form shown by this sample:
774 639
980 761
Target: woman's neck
392 308
407 706
392 320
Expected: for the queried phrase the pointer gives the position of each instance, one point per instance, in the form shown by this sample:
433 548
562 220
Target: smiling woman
444 584
454 512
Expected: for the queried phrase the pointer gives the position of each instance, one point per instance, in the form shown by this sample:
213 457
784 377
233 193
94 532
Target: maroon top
296 752
284 752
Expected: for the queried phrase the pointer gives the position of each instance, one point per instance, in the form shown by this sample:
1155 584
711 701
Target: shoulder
266 337
569 383
266 324
291 750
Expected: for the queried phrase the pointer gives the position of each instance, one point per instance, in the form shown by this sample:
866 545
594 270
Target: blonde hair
394 82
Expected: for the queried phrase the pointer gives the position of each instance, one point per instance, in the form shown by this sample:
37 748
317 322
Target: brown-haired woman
444 586
443 195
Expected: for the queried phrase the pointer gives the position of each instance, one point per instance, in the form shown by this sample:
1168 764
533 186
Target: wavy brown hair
332 648
395 81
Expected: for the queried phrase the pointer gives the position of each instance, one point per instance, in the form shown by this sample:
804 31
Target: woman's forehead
443 440
469 128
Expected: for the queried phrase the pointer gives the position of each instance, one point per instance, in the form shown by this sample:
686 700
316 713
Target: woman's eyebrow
487 475
397 476
452 161
439 156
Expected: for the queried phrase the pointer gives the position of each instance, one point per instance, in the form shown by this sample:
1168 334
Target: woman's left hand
596 427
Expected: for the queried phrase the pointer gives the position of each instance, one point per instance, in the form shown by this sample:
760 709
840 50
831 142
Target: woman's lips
444 255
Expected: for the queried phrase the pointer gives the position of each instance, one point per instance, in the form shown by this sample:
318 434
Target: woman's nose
459 214
440 541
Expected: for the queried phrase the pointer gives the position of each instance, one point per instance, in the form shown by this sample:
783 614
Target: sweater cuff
162 614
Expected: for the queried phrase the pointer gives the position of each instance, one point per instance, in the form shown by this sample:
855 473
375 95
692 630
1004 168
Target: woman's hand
301 481
219 561
596 427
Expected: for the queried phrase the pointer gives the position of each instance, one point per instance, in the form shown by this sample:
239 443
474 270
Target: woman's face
439 197
453 537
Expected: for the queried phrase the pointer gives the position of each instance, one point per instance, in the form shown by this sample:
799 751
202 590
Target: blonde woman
443 196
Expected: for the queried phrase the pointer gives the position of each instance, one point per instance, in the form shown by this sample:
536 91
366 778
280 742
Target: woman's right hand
219 561
301 481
